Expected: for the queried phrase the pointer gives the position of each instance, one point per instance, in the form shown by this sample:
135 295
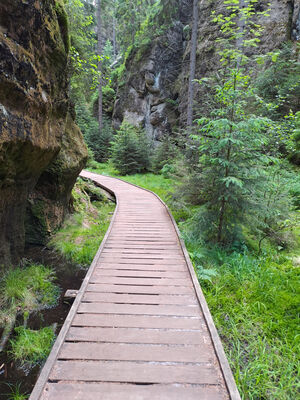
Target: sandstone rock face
39 158
155 94
148 98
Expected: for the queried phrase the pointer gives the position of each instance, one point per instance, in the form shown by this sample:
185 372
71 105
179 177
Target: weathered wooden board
132 372
117 391
137 335
124 298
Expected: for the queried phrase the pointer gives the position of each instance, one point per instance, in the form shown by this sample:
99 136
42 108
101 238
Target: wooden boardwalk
139 328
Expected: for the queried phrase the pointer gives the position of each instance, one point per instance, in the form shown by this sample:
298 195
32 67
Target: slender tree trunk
227 171
241 25
192 65
99 29
114 33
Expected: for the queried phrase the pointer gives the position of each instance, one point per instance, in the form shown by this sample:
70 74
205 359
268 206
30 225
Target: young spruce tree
130 150
230 139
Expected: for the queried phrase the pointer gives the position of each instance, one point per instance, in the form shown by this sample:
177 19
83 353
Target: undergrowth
254 302
82 233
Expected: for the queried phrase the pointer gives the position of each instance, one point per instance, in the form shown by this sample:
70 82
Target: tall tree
192 65
99 48
114 32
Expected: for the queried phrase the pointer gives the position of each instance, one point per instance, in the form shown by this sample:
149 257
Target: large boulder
36 130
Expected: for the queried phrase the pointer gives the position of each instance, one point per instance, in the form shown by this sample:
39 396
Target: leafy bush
131 150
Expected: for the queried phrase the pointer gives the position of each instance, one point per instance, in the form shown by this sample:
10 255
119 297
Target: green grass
81 235
30 347
23 290
254 302
16 392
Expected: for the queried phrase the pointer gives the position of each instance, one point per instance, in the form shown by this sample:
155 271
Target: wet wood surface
137 329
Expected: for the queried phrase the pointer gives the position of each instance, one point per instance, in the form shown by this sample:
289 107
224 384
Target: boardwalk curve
139 328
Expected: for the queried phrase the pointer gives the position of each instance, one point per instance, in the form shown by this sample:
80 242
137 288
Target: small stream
69 276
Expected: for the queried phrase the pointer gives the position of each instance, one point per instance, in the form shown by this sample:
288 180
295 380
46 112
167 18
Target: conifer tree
231 140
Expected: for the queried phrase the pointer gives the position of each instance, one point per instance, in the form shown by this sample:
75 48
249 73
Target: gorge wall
156 81
41 149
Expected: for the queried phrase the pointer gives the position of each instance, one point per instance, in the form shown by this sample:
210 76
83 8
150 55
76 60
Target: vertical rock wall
35 134
155 93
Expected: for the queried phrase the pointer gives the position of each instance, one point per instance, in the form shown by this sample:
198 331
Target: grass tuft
23 290
16 392
31 347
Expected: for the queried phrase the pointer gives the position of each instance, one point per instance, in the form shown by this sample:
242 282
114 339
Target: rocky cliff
155 93
41 149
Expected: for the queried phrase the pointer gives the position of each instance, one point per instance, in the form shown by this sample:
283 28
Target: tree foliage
130 150
233 164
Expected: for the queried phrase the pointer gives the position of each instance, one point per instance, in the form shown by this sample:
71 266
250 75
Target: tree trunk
99 29
192 65
241 30
114 33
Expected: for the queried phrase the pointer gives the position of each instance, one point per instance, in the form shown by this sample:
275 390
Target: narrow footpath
139 328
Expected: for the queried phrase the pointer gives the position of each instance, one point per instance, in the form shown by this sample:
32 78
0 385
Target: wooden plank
113 371
138 321
142 267
137 335
132 289
140 281
135 309
134 251
139 299
137 261
117 256
134 246
141 241
142 274
136 352
116 391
